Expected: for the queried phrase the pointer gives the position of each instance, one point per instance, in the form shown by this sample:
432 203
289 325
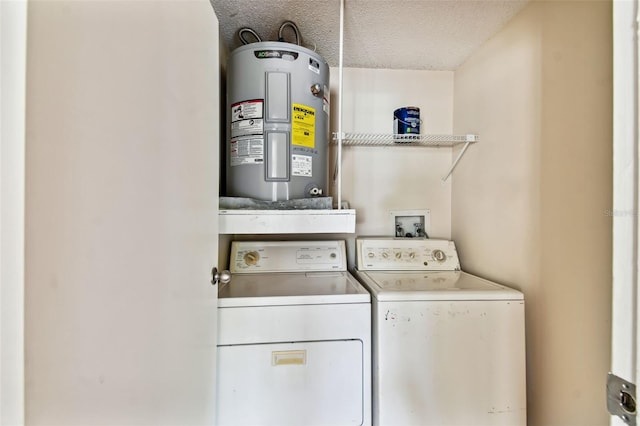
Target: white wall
13 39
529 205
377 180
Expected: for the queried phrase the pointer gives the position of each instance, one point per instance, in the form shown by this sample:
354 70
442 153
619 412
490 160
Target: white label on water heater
326 96
247 118
247 127
301 165
246 110
246 151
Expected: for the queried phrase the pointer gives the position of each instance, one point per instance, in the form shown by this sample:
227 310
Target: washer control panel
287 256
390 254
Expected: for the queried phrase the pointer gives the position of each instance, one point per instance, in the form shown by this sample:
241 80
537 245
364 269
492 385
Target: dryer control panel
287 256
390 254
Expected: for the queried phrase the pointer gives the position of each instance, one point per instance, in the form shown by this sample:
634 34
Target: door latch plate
621 399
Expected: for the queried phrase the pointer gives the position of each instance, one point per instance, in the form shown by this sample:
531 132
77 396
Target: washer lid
302 288
439 285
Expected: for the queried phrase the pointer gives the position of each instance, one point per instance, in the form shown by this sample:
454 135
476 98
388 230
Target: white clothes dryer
448 347
294 337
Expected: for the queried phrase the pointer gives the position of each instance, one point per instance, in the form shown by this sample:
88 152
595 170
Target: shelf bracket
455 162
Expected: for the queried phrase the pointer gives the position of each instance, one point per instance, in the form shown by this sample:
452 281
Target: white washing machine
448 347
294 337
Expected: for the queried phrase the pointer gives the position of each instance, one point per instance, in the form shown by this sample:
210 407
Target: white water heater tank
277 122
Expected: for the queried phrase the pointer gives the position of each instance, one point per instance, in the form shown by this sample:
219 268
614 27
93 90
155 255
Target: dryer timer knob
251 258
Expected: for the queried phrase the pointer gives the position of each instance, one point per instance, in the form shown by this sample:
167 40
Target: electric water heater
277 122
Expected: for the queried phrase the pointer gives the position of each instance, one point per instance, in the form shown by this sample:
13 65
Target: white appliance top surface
433 285
275 273
303 288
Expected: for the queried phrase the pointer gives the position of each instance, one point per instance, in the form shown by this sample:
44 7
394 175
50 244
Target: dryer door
306 383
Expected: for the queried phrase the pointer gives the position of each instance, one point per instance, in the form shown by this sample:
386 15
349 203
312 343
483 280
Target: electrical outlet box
411 223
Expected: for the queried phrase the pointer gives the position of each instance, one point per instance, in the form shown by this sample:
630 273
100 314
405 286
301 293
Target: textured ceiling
401 34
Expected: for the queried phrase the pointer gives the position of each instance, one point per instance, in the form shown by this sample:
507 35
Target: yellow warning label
303 126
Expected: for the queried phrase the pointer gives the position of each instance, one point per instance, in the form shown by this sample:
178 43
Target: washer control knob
385 255
251 258
412 255
439 256
370 255
398 254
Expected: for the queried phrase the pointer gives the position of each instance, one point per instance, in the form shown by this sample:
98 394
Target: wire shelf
373 139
